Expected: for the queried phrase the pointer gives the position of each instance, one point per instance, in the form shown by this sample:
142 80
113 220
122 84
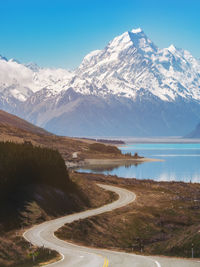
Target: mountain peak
128 39
3 58
116 87
14 60
172 48
32 66
121 41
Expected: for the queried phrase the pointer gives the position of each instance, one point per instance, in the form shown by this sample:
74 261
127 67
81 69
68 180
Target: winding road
79 256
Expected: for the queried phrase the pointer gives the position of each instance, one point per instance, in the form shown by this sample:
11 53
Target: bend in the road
79 256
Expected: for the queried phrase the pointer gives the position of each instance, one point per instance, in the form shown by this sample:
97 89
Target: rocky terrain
129 88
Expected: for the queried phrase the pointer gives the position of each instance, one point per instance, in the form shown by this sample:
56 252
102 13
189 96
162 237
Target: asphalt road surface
78 256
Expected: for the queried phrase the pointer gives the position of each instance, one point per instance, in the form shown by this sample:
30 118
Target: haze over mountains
130 88
195 133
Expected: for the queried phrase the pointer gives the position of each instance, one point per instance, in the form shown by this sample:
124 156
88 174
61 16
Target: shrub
104 148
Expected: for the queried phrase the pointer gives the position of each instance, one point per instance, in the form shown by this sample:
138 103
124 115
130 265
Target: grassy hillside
35 186
163 220
24 170
16 122
16 130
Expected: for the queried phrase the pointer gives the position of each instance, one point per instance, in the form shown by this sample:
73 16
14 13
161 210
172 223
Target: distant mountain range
195 133
130 88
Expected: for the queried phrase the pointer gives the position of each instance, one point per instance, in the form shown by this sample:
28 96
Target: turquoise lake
181 163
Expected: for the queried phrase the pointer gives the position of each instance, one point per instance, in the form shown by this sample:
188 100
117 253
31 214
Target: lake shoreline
172 162
104 162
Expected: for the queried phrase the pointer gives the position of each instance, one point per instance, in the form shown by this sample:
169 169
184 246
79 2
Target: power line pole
192 250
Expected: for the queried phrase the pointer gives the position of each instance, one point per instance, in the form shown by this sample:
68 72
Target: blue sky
59 33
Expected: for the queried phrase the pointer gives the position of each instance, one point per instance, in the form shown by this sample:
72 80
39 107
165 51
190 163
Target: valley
99 133
167 212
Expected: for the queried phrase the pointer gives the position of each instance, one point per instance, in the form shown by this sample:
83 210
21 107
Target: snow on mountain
129 87
128 63
21 81
32 66
3 58
15 80
52 79
131 61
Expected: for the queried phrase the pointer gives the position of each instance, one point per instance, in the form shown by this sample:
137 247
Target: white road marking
72 253
34 235
157 264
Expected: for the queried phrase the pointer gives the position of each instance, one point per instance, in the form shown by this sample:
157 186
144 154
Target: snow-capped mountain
131 61
23 80
131 87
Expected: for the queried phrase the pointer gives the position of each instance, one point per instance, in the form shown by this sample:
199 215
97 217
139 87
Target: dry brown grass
65 145
8 119
16 252
15 129
96 195
164 219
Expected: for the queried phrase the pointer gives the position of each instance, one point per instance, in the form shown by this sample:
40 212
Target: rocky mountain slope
130 88
195 133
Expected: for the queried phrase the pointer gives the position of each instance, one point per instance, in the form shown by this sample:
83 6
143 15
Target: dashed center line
106 262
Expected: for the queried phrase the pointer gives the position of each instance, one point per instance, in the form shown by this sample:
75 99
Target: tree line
24 164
